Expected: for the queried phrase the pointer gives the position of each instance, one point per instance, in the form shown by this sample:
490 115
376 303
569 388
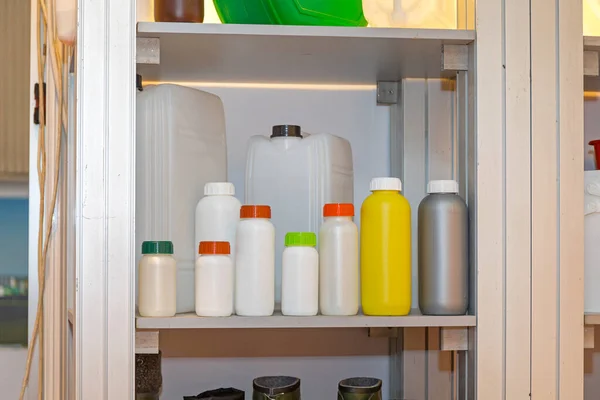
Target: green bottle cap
157 247
301 239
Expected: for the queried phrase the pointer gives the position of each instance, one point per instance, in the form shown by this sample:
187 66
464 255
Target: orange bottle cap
338 210
208 248
251 211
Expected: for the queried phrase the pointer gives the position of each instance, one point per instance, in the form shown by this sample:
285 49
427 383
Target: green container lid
157 247
245 12
308 239
318 12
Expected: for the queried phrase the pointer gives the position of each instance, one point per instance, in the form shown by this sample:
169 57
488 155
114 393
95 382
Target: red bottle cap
250 211
338 210
207 248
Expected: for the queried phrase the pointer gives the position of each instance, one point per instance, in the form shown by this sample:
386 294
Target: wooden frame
105 306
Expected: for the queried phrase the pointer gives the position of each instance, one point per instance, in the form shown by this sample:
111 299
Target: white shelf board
295 54
592 318
278 321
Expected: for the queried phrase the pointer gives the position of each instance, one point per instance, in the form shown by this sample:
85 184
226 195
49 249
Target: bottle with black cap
297 174
286 131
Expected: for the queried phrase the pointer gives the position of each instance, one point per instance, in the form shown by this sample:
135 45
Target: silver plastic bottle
443 251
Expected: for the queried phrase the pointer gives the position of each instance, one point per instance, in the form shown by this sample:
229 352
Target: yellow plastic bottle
385 250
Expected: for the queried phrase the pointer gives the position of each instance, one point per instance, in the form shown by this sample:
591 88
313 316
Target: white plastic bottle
255 262
338 261
214 280
218 214
157 280
300 275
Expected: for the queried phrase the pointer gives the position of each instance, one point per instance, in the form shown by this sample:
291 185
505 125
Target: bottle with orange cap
255 262
385 248
214 280
338 261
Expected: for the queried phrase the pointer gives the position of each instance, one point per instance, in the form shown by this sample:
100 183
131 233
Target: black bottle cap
286 131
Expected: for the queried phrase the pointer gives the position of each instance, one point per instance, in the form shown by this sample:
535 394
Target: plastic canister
338 261
255 262
385 249
218 214
157 280
359 389
179 10
300 275
214 280
297 174
443 245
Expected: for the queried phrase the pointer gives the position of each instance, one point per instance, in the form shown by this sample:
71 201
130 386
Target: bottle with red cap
338 261
214 280
255 262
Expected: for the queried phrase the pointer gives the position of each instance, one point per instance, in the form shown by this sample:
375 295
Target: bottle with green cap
157 280
300 275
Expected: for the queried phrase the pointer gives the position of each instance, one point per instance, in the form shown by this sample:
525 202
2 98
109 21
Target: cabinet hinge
36 110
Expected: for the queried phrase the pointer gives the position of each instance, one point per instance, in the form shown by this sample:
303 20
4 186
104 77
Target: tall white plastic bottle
338 261
297 176
255 263
218 215
180 147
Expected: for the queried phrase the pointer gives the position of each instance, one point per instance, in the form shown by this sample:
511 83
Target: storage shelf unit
296 54
278 321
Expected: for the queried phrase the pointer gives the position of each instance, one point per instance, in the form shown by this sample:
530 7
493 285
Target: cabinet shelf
295 54
278 321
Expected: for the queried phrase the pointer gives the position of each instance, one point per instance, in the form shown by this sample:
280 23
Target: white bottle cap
219 189
386 184
442 187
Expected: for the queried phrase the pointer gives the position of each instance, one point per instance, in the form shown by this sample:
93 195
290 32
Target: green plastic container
318 12
245 12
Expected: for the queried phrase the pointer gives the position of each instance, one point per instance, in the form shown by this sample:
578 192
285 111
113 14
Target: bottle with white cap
385 250
443 255
218 215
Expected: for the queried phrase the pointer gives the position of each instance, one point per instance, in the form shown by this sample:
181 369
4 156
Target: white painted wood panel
489 126
544 187
105 307
570 117
517 200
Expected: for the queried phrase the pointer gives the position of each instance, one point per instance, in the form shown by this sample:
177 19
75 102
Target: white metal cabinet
517 133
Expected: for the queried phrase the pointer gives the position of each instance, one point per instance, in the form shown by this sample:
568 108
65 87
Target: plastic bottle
300 275
218 214
157 280
385 250
255 262
338 261
214 280
179 10
443 251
